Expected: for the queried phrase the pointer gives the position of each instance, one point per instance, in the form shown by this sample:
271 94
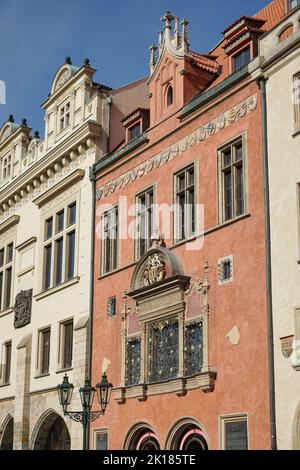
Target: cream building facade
45 259
280 64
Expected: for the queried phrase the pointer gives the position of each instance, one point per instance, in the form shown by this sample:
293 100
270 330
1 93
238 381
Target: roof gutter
262 86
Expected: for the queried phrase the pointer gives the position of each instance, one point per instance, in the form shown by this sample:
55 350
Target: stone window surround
100 430
222 281
8 238
296 92
52 212
230 418
3 363
38 373
171 304
60 348
244 139
115 208
137 195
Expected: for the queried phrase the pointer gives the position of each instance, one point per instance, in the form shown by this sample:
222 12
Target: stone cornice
13 220
28 242
199 135
53 166
59 187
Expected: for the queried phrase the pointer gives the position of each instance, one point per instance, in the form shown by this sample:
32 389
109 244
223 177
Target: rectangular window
110 240
144 221
6 366
297 102
234 433
241 59
112 306
60 247
6 271
225 270
162 350
134 131
185 204
232 181
101 440
44 351
66 344
64 116
6 167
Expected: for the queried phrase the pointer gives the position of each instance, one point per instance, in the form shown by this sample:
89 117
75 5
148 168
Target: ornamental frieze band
199 135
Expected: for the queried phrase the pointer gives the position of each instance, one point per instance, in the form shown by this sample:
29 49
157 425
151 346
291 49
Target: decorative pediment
157 265
7 129
64 73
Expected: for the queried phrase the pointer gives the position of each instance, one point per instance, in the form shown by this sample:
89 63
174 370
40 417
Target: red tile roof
249 18
272 13
205 62
136 110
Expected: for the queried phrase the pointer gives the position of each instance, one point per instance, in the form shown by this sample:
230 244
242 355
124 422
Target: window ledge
61 371
40 376
5 385
55 289
7 311
296 132
204 381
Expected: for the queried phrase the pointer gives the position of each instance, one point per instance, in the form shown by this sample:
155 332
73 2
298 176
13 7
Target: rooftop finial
153 50
24 122
86 62
167 18
68 61
176 33
36 134
11 118
184 34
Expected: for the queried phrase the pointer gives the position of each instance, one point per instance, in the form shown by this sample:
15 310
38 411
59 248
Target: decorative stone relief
234 336
154 270
199 135
22 308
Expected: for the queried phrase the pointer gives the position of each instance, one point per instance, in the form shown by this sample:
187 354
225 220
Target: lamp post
65 392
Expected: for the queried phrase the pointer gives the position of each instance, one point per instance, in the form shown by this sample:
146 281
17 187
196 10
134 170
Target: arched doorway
187 435
52 434
7 438
142 437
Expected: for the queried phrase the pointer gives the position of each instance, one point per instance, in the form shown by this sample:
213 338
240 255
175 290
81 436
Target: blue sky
36 36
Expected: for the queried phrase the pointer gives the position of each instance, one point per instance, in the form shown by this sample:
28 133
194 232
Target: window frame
229 418
146 192
64 115
241 53
222 219
296 97
52 241
40 345
113 264
134 126
8 265
6 167
61 347
3 370
100 431
189 233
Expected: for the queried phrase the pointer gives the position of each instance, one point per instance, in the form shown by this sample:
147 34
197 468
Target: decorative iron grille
193 347
133 361
163 350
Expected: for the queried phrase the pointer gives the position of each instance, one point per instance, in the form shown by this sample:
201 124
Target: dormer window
135 123
170 95
294 4
6 167
64 116
134 131
241 59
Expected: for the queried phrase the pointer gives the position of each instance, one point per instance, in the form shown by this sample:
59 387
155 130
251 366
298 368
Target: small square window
101 438
112 306
225 270
134 131
9 252
241 59
234 433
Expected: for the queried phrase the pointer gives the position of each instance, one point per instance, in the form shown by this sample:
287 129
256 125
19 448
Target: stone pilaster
22 399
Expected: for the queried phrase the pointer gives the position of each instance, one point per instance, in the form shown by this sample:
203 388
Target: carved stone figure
22 308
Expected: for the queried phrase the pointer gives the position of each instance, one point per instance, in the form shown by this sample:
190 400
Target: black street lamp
65 392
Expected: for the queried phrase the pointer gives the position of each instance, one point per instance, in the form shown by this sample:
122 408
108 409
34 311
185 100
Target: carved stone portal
22 308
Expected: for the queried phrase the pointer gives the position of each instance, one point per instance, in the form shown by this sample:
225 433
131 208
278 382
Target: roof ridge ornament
11 118
176 43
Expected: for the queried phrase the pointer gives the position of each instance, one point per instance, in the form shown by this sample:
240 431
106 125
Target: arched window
170 95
